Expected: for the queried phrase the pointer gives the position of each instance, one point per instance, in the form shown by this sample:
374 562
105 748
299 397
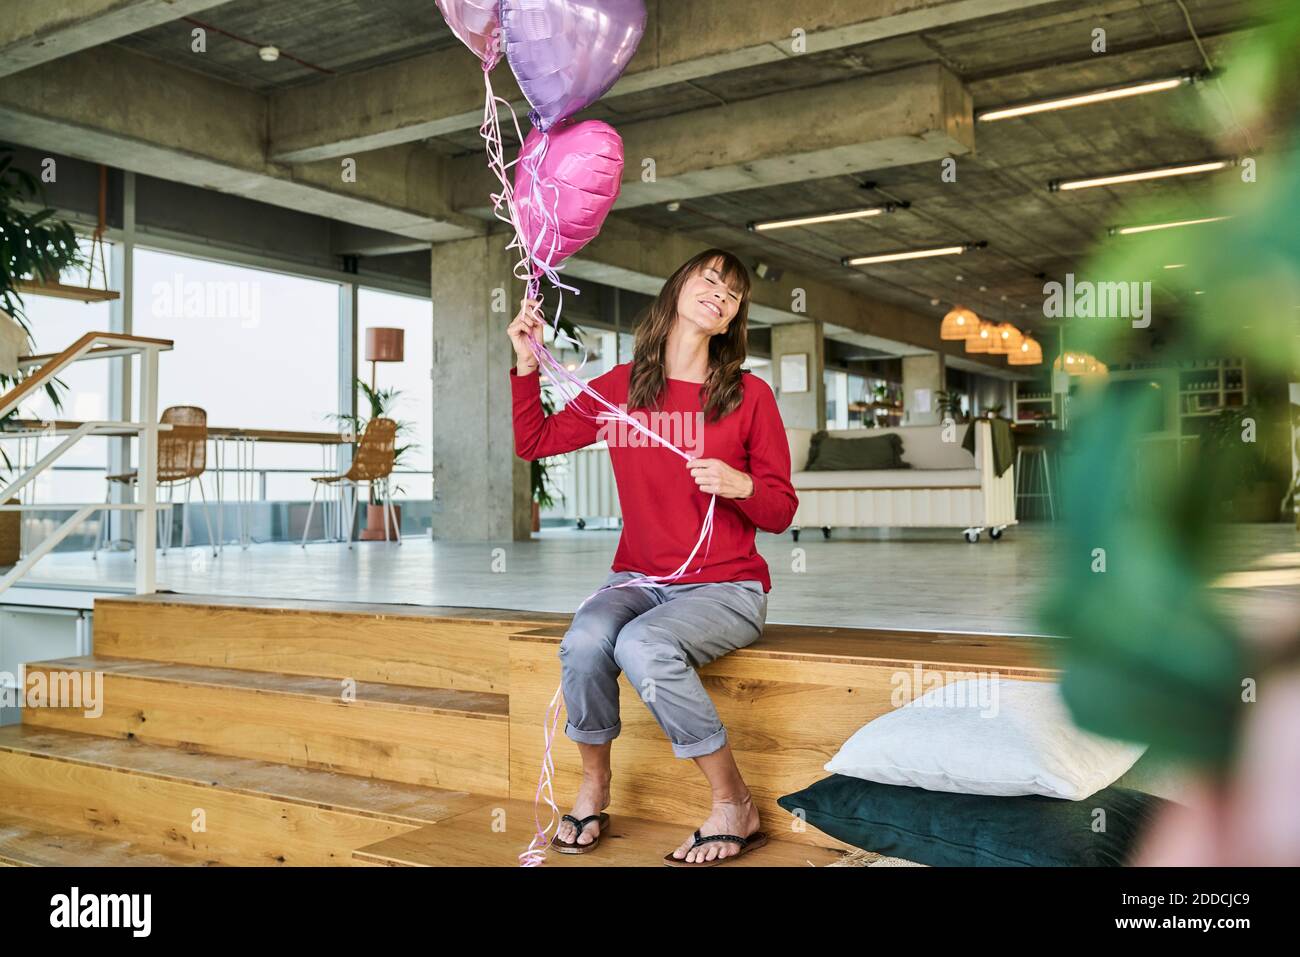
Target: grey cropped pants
658 636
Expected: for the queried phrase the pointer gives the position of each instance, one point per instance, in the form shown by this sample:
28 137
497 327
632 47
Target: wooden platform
299 733
495 834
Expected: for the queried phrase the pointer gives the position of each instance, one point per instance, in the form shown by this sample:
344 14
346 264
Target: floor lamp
383 345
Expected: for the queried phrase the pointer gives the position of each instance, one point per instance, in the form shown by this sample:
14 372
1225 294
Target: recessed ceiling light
1083 99
269 54
821 218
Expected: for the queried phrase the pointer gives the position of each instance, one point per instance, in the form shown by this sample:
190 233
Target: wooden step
788 702
246 812
456 740
475 838
425 646
25 843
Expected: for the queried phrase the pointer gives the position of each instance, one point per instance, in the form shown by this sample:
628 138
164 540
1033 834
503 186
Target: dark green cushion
972 830
832 454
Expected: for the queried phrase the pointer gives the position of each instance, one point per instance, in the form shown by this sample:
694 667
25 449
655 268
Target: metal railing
93 345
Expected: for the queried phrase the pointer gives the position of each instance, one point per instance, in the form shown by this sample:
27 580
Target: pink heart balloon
563 207
477 24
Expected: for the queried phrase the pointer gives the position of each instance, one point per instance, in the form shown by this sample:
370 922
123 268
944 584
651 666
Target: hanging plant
33 245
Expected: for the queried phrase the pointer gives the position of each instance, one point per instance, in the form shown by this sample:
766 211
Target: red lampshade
385 345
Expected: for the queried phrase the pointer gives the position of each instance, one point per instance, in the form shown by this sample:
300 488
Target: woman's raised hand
527 323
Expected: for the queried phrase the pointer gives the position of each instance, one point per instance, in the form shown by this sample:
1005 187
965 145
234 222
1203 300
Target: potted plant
382 402
1258 465
32 246
540 470
948 404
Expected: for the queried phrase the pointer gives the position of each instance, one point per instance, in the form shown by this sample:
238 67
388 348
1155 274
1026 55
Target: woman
685 377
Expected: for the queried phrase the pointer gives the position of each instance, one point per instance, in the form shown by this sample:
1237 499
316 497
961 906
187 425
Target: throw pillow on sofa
986 735
828 453
975 830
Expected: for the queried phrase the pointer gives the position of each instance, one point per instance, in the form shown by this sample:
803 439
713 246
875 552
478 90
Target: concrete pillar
481 489
806 409
923 377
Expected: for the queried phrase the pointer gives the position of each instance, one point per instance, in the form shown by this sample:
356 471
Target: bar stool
1034 478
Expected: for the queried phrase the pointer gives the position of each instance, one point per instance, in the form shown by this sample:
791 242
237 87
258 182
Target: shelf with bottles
1207 387
1033 402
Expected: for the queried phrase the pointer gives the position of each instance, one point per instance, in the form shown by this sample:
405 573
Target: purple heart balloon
566 54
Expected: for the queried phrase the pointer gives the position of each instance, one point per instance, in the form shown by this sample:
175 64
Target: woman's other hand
716 477
527 323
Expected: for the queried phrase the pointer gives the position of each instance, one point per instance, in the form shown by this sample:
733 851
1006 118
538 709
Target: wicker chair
372 464
182 458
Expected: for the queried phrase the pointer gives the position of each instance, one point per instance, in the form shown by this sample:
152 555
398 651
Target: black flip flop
755 840
564 847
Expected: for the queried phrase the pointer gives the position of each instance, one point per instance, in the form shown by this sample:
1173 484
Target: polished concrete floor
911 579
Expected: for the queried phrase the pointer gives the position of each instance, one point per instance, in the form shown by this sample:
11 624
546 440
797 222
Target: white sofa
945 487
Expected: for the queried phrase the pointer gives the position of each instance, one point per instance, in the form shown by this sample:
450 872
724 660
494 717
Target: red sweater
663 508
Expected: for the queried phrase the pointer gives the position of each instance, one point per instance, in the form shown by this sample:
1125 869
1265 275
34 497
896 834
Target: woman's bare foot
593 797
728 817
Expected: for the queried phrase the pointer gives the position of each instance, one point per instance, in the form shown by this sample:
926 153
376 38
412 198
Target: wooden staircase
250 732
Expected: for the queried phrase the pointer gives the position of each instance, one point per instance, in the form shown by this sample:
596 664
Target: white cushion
986 735
886 478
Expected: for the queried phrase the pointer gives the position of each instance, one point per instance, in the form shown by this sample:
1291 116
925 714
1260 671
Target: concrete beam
897 119
632 256
113 106
442 92
35 33
349 240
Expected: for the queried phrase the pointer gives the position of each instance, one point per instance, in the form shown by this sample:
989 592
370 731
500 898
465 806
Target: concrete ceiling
339 36
396 67
1001 194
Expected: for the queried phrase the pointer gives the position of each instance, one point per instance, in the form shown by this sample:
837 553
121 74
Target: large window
411 377
255 349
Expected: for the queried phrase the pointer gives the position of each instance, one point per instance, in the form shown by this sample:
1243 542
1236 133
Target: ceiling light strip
1162 172
1083 99
911 254
820 218
1152 227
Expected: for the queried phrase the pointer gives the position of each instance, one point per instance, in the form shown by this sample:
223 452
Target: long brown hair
727 350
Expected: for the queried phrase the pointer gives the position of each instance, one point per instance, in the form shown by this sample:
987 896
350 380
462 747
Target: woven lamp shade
982 340
1028 353
958 324
1006 339
1075 363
